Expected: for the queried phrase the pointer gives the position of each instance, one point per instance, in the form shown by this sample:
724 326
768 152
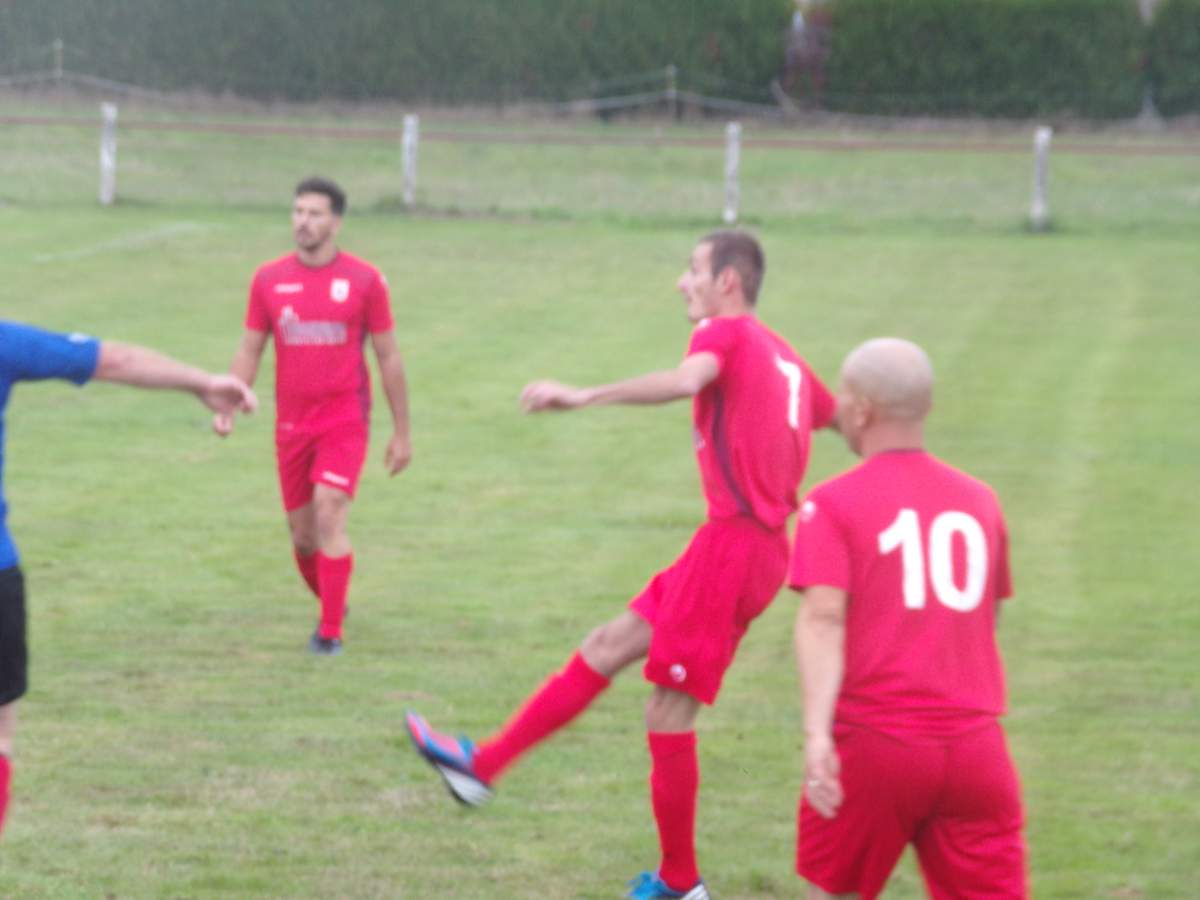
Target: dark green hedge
987 57
1174 57
453 51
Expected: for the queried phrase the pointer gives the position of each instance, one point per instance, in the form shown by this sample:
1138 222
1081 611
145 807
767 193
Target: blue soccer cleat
648 886
452 757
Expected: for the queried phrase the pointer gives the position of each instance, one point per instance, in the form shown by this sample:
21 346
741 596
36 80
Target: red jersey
754 420
922 551
319 319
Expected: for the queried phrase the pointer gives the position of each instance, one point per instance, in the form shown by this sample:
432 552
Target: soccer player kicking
320 304
755 402
903 562
30 354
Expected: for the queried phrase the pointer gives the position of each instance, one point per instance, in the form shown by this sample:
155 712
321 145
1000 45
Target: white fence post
671 91
412 131
733 162
1039 210
108 153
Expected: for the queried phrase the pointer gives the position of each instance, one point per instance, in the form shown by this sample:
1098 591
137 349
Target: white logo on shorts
339 290
335 478
678 673
807 511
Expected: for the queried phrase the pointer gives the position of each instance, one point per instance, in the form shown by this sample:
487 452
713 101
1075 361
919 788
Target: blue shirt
30 354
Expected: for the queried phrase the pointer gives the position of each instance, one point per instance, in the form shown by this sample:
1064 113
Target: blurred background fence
584 108
634 171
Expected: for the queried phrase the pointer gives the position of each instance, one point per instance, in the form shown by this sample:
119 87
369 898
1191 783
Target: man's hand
543 395
227 394
822 770
398 454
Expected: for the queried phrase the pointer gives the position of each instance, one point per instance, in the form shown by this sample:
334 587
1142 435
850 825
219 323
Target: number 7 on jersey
794 376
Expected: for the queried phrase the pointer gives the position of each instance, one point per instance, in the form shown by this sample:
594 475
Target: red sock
5 775
334 578
674 783
308 570
562 697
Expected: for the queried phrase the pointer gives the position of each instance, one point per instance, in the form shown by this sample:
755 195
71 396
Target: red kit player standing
903 562
755 402
320 304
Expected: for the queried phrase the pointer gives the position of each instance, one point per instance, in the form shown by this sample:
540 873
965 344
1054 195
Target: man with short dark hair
31 354
742 252
330 189
903 562
755 403
320 304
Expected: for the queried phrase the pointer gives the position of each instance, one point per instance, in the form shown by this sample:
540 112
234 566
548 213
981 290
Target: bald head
894 376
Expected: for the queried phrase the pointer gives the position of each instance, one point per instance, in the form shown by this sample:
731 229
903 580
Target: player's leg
294 457
674 784
13 671
331 512
302 523
335 559
336 466
469 770
8 727
564 695
974 846
694 606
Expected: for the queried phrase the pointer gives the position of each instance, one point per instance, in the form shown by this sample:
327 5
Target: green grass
179 742
646 181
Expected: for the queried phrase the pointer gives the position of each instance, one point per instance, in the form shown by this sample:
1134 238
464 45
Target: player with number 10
755 403
903 562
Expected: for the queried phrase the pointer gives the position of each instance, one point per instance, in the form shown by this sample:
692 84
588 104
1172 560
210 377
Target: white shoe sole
465 788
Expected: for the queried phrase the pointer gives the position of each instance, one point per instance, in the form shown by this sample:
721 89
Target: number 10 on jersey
905 534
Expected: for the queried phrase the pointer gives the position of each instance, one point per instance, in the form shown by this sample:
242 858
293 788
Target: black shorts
14 660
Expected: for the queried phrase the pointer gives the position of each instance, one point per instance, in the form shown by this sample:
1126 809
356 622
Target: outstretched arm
244 367
142 367
820 654
395 386
688 379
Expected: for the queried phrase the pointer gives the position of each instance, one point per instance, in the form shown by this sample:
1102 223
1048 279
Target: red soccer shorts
702 605
333 456
958 803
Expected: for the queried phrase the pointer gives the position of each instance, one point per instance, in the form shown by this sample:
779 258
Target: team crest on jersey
339 290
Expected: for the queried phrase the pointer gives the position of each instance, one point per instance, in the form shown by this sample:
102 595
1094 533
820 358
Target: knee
597 649
668 710
8 727
330 514
614 645
304 539
306 545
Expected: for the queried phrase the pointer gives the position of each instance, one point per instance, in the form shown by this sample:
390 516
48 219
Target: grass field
178 741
